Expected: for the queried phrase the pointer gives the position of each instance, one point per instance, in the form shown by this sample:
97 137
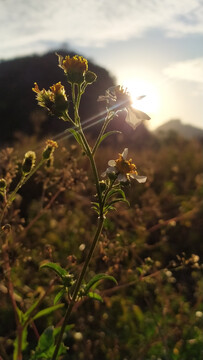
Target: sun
150 103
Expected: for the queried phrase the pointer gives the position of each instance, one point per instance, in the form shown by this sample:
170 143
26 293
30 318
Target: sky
152 47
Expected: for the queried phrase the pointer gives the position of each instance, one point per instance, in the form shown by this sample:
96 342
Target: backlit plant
108 193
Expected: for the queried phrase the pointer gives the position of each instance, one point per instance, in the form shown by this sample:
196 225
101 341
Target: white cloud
191 70
92 22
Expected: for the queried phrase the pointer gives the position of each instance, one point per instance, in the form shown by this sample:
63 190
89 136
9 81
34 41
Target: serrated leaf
55 267
59 296
47 311
96 279
95 296
76 135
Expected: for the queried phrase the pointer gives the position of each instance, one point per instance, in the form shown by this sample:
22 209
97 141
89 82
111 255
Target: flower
123 169
54 99
51 145
119 98
74 67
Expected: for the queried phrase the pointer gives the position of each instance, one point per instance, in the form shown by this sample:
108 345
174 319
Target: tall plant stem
77 286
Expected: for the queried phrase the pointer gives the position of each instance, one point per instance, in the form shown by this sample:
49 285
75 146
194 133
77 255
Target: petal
125 153
103 98
135 117
122 178
111 169
103 174
112 163
139 178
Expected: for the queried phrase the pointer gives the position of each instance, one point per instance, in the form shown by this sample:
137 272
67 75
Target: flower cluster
118 98
54 99
123 170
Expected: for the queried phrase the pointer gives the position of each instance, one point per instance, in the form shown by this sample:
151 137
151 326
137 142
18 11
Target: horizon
153 48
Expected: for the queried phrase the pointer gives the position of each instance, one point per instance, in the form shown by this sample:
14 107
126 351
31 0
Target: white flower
123 169
118 98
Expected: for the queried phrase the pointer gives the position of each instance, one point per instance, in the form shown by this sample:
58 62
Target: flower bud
90 77
102 185
49 149
6 228
2 184
28 162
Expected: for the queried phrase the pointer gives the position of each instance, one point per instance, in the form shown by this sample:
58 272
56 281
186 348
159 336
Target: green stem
77 287
94 169
22 181
19 345
105 124
90 155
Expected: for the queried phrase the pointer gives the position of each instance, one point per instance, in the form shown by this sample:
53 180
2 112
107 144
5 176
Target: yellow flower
58 89
54 99
123 169
74 67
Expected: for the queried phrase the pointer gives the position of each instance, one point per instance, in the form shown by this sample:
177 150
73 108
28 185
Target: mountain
19 111
185 130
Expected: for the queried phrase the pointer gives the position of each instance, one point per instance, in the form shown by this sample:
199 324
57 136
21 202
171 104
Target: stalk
77 287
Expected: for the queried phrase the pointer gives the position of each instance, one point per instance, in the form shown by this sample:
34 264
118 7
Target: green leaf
76 135
114 192
119 200
29 311
106 135
47 311
96 279
46 344
59 296
55 267
95 296
108 208
96 205
20 315
46 339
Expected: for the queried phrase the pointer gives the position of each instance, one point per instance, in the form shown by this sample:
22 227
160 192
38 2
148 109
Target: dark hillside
18 107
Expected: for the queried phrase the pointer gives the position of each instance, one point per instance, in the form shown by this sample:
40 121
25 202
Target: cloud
23 24
190 70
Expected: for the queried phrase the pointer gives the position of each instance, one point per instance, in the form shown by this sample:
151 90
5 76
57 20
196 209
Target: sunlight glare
149 104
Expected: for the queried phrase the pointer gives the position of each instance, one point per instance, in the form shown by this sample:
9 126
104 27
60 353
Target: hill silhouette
18 107
175 125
